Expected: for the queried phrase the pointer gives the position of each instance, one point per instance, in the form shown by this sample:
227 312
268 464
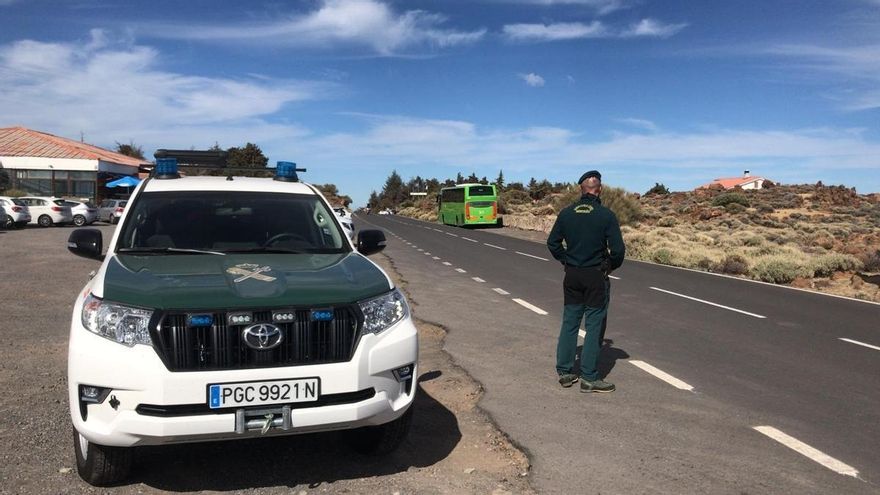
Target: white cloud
652 28
554 32
640 123
532 79
577 30
601 7
114 93
358 23
855 70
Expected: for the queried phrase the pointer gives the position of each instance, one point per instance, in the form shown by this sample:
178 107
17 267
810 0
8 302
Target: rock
856 281
469 470
65 470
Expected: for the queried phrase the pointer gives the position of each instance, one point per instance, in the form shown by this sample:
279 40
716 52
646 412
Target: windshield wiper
165 250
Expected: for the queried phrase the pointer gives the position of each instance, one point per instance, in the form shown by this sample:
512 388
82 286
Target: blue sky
678 92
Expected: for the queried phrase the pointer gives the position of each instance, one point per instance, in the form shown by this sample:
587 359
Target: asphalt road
751 388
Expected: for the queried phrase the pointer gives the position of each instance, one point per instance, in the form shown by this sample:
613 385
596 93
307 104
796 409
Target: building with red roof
747 181
47 165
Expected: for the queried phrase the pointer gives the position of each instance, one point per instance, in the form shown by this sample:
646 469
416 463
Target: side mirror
370 241
88 243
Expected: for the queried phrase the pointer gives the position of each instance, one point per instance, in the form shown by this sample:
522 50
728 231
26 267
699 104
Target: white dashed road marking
530 306
805 450
469 239
450 233
437 230
494 246
532 256
856 342
461 270
709 303
501 291
666 377
612 276
435 257
478 279
447 263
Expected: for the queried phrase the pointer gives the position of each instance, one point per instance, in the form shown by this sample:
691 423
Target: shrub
780 270
667 222
662 256
15 193
765 208
728 198
732 264
657 189
734 208
515 197
827 264
624 205
871 262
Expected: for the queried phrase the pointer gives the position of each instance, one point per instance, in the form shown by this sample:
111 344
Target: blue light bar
286 172
166 168
200 320
322 315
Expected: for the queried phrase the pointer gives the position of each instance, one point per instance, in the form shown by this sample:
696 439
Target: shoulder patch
583 209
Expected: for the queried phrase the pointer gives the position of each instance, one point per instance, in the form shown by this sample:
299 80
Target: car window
232 221
122 204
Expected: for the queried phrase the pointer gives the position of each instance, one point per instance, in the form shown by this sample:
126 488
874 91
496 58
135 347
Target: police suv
233 307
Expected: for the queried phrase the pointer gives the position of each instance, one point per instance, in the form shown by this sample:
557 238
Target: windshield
226 222
481 191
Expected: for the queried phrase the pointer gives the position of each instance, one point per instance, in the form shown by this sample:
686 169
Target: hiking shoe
567 379
596 386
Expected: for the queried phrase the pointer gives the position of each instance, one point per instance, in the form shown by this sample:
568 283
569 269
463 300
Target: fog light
286 316
241 318
92 394
403 373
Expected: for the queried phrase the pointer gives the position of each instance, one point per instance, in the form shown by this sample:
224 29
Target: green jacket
591 234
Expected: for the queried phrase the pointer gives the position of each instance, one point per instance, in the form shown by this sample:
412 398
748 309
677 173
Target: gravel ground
452 448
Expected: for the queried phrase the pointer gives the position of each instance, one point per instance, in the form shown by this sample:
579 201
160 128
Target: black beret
591 173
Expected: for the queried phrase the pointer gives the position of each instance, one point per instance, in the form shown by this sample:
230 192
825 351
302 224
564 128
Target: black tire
113 220
8 224
380 440
79 220
45 221
100 465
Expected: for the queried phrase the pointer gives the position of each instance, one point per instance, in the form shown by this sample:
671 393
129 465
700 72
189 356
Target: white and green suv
234 307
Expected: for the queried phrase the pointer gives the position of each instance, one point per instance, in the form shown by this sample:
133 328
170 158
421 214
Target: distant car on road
16 212
111 209
46 213
83 213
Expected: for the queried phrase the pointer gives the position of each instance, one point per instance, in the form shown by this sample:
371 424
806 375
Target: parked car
111 209
46 213
345 219
16 212
83 213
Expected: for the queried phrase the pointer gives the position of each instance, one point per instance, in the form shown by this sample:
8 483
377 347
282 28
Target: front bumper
149 405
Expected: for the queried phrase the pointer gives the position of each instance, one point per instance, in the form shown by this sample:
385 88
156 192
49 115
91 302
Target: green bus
468 204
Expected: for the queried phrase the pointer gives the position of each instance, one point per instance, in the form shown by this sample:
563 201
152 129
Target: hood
203 282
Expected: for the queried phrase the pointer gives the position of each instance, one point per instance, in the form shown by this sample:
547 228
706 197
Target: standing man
593 248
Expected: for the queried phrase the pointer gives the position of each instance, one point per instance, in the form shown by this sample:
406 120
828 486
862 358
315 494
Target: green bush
667 222
728 198
734 208
780 270
732 264
662 256
624 205
15 193
515 197
658 189
827 264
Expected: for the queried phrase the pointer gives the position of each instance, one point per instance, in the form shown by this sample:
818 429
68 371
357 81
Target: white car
83 213
213 317
17 213
344 217
45 212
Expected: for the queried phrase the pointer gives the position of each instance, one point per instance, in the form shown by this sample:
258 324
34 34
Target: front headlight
117 322
383 311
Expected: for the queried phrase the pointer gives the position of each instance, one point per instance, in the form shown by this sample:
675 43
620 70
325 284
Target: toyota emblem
262 336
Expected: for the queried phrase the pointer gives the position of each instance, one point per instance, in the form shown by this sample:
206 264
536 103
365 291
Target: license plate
263 393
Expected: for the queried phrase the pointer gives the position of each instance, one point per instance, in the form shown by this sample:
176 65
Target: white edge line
532 256
469 239
478 279
494 246
501 291
530 306
856 342
709 303
807 451
724 275
666 377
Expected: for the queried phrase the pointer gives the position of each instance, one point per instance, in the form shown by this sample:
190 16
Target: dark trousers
586 295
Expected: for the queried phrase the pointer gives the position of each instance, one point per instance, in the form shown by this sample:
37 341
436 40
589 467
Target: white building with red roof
747 181
47 165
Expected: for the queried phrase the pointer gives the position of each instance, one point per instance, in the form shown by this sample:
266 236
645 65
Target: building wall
756 184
